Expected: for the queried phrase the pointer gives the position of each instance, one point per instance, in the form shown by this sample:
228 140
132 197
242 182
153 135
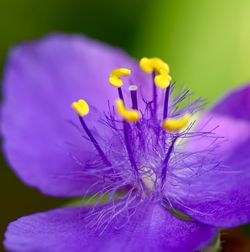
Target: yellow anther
162 80
176 124
115 76
81 107
148 65
128 115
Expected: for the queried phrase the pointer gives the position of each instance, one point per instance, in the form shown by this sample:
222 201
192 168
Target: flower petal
42 135
230 119
153 229
235 105
216 191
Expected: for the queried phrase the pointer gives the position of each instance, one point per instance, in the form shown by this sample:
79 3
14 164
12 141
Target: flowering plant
160 180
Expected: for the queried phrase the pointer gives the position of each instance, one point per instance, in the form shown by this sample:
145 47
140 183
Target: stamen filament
165 162
120 94
126 129
93 140
154 97
166 101
81 107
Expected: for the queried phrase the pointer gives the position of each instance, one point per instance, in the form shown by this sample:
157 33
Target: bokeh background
206 43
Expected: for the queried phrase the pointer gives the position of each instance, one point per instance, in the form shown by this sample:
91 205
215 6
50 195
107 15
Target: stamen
115 76
115 79
176 124
161 78
133 92
128 115
82 108
120 94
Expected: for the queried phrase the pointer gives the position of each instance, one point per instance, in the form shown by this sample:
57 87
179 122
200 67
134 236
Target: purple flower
149 162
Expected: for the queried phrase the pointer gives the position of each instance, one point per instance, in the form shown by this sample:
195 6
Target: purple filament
93 140
166 101
126 129
165 162
120 94
154 97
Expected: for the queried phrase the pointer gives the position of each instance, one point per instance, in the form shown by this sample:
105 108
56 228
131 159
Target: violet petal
150 229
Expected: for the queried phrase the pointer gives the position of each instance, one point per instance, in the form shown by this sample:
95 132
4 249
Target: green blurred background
206 43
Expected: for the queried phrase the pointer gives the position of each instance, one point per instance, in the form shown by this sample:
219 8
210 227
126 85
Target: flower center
149 178
144 135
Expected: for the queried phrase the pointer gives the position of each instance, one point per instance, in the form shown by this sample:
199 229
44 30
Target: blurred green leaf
206 43
113 21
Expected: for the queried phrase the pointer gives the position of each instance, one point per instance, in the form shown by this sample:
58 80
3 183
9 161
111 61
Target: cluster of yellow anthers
162 80
160 68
